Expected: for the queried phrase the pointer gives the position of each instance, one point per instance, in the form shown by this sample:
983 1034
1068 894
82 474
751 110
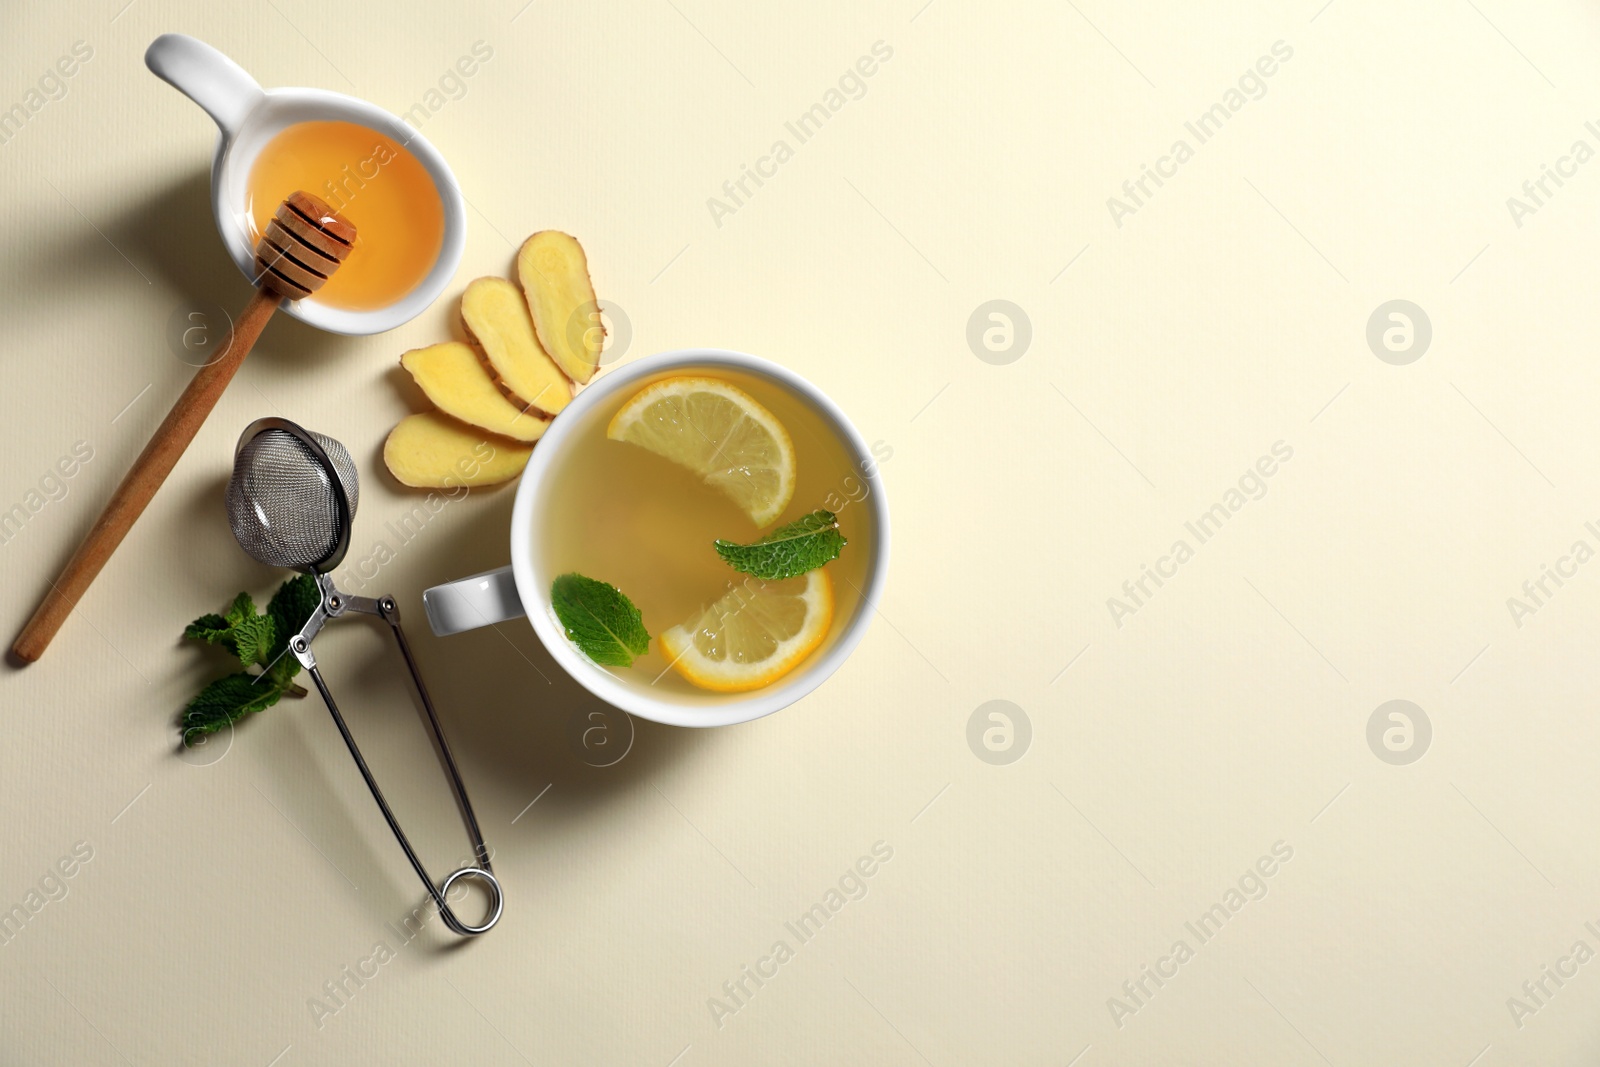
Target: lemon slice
720 433
757 633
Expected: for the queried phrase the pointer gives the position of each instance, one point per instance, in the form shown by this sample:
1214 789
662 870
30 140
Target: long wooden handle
145 477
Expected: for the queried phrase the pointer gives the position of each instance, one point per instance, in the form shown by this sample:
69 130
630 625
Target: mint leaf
256 640
224 702
600 620
289 609
208 628
244 633
790 550
283 669
253 639
242 608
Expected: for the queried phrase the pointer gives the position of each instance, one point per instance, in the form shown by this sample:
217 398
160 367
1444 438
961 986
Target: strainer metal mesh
281 499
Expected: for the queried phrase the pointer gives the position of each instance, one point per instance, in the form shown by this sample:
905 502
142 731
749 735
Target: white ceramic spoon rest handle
206 76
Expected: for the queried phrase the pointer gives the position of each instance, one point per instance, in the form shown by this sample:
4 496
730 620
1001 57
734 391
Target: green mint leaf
244 633
208 628
289 609
224 702
790 550
254 639
241 609
283 669
600 620
257 640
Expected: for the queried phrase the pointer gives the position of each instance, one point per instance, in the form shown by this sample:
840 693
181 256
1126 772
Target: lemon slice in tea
719 432
757 633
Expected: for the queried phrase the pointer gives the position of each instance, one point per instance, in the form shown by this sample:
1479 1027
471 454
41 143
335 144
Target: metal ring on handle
497 906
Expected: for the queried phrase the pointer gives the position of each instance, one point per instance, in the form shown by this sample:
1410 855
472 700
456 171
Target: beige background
1167 755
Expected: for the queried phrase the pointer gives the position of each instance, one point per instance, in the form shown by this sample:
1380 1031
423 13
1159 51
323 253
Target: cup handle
206 76
468 603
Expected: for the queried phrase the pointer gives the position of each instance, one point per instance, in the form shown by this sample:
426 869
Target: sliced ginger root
497 317
555 278
537 341
455 379
431 450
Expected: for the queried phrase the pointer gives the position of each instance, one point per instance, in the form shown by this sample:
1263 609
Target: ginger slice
497 317
555 278
433 451
455 379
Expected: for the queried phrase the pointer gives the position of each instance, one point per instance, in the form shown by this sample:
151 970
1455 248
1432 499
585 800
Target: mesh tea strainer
291 502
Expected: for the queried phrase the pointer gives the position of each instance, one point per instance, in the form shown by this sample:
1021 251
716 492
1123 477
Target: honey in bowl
373 181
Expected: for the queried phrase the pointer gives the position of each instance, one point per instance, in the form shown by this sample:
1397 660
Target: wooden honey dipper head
305 242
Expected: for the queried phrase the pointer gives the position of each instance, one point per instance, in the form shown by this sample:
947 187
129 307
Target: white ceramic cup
523 587
247 117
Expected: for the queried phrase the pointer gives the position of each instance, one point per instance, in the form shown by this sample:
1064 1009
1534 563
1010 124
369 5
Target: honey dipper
304 243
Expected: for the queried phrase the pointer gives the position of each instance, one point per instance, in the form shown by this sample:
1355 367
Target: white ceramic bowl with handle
523 588
248 117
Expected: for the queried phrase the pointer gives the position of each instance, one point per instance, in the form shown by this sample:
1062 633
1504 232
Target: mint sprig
790 550
600 620
241 631
255 640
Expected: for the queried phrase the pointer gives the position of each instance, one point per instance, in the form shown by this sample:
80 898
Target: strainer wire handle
391 615
389 611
